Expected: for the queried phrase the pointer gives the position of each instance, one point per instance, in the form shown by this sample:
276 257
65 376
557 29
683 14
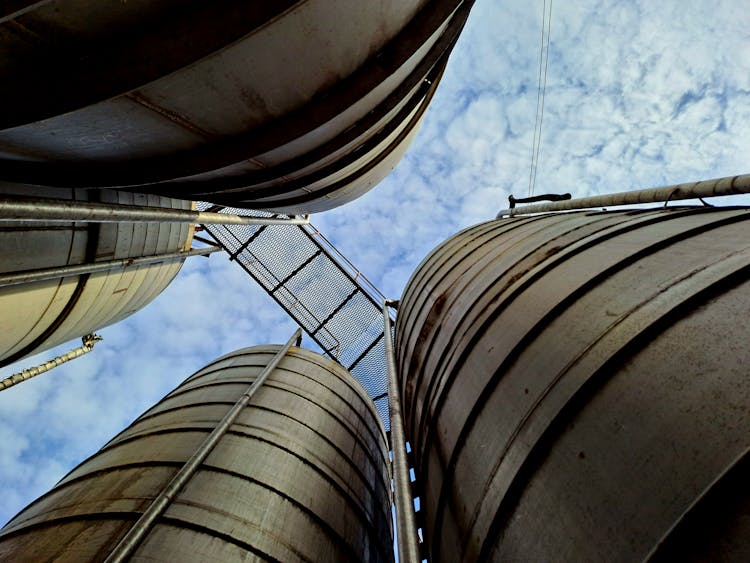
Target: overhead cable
540 95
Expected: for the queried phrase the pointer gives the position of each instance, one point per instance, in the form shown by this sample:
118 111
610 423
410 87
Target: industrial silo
294 469
576 387
42 304
297 106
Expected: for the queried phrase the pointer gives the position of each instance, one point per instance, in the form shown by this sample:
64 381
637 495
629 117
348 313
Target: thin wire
538 94
544 91
537 143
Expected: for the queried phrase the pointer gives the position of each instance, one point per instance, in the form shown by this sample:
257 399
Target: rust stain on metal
528 364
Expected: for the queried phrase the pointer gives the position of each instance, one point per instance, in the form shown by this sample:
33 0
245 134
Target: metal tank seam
133 538
103 57
608 231
359 173
447 355
170 520
422 467
90 256
445 274
117 442
304 161
726 475
334 416
414 309
184 428
573 296
394 51
656 217
309 356
478 255
366 403
208 467
597 379
615 327
344 493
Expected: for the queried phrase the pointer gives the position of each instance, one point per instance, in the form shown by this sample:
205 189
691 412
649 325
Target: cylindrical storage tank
39 315
301 474
576 387
295 106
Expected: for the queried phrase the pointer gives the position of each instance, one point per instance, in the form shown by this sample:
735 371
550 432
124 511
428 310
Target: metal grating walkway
319 288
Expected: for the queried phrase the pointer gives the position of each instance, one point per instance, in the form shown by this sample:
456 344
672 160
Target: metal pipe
406 525
88 342
731 185
130 542
42 274
55 210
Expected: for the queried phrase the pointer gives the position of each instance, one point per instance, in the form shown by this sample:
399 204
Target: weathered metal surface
38 315
301 475
575 386
293 106
145 523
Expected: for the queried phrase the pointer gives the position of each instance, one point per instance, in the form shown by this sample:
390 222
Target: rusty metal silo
299 475
576 387
38 312
297 106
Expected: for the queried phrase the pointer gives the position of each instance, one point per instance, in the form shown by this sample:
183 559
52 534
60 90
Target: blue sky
639 94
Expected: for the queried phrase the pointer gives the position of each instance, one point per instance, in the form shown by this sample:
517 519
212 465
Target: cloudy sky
639 94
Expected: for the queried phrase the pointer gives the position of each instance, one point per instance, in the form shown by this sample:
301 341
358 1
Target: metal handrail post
406 525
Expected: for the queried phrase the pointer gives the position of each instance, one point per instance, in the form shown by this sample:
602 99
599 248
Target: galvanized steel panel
37 316
572 382
301 475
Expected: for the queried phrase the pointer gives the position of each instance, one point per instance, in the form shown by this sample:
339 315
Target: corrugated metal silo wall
300 476
39 315
296 106
576 387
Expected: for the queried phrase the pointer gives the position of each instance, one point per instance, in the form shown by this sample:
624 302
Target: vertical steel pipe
406 525
124 549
